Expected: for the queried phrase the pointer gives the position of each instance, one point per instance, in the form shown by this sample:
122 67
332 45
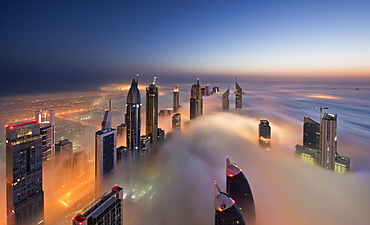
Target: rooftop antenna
154 79
137 78
110 105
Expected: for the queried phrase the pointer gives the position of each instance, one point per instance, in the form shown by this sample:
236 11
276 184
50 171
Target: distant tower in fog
176 99
225 99
196 101
24 193
46 118
238 188
264 134
133 106
311 133
105 149
329 140
238 96
226 212
63 162
152 112
176 121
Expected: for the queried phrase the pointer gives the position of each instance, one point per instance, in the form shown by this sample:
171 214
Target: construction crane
316 107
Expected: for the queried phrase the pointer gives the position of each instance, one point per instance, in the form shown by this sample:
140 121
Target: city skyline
51 43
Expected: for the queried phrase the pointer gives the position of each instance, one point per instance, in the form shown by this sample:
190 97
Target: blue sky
81 40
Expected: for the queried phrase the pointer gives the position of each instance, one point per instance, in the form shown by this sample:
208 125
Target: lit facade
46 118
196 101
152 112
176 121
238 96
264 134
107 209
329 141
176 99
25 196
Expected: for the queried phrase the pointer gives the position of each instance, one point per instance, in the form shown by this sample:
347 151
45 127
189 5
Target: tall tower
25 196
264 134
329 140
238 96
226 212
152 112
105 149
238 188
196 101
133 106
311 133
225 99
46 118
63 162
176 99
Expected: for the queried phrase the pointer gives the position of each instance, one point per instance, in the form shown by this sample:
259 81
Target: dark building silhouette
225 99
329 140
176 99
107 209
24 193
133 120
264 134
238 96
121 135
105 149
238 188
152 112
226 212
311 133
196 101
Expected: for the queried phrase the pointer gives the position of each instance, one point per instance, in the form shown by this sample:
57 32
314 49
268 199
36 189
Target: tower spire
110 105
154 80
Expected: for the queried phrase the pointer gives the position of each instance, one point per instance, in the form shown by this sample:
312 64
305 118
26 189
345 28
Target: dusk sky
113 40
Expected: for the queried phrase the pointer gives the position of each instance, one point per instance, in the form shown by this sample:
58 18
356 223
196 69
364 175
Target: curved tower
225 99
133 106
238 96
226 212
238 188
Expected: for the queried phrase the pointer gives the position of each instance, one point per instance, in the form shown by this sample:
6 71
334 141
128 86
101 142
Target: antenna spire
110 105
137 78
154 80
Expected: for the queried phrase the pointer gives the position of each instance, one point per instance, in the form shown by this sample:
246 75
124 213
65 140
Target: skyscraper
196 101
226 212
107 209
46 118
238 188
133 106
329 140
238 96
105 149
152 112
225 99
25 196
176 121
311 133
63 162
176 99
264 134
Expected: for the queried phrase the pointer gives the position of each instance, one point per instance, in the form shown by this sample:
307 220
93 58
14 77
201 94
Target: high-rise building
133 120
107 209
264 134
161 136
152 112
176 121
25 196
105 149
121 135
46 118
215 89
328 140
196 101
176 99
79 164
311 133
226 212
237 186
225 99
238 96
63 162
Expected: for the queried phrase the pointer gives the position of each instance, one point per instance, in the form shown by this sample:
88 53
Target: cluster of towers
236 206
320 144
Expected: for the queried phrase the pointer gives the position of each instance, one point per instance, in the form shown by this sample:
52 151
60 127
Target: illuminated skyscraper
46 118
25 196
264 134
133 106
152 112
311 133
238 188
105 149
238 96
226 212
329 141
107 209
225 99
176 121
196 101
176 99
